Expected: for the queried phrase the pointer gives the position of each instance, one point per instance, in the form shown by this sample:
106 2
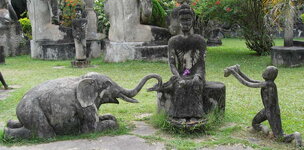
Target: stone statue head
79 12
270 73
186 18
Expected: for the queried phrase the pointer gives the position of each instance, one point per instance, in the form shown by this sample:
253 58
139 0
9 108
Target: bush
302 17
255 29
26 27
159 15
103 21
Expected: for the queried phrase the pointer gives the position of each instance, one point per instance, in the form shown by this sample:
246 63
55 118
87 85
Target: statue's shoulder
175 38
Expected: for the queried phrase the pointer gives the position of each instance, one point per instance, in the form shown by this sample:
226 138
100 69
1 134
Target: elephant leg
34 119
106 125
14 124
17 133
107 117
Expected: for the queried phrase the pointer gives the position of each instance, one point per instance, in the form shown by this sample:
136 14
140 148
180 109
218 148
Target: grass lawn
242 103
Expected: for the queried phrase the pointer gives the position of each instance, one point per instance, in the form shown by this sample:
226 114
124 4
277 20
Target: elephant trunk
133 92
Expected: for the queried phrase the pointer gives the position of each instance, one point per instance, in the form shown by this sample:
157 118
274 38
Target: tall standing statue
128 30
10 29
271 110
187 98
79 28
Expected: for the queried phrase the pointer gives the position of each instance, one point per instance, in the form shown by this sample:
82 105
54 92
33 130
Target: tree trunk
289 23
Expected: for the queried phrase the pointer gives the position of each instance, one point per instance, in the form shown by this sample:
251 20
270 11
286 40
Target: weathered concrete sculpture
271 110
79 26
69 106
187 98
10 29
128 32
52 41
3 82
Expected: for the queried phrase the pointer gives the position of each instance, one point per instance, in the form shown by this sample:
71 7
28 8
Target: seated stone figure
184 97
271 110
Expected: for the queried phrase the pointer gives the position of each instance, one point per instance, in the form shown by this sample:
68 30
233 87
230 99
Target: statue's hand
197 82
229 70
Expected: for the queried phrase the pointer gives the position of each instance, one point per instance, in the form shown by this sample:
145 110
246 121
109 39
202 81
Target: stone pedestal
81 63
2 55
287 56
50 50
213 100
123 51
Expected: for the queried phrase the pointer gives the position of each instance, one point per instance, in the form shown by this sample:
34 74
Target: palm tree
284 10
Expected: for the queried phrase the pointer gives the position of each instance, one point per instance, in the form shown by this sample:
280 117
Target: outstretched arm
238 70
247 83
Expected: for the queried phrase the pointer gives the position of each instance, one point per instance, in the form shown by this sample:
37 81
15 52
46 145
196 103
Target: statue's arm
247 83
247 78
238 70
172 62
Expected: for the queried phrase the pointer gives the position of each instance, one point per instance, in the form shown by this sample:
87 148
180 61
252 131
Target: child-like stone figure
271 111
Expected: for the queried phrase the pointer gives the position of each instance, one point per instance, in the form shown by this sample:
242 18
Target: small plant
26 27
302 17
103 21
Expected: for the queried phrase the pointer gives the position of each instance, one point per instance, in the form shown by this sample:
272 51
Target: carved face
186 22
185 18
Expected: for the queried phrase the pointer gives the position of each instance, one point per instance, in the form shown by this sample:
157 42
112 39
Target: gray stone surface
143 129
123 142
10 30
123 51
287 56
124 16
92 22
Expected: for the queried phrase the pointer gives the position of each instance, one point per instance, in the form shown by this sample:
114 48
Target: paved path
123 142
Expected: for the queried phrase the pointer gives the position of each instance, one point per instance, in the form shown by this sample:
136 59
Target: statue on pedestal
79 28
187 98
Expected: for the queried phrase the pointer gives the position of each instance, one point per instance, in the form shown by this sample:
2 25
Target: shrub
103 21
159 15
26 27
255 29
302 17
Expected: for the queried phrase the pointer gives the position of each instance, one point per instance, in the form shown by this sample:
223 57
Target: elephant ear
87 92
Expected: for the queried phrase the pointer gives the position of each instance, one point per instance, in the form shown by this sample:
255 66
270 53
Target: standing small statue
3 82
271 111
79 26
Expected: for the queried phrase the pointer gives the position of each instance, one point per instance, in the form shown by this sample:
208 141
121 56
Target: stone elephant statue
69 106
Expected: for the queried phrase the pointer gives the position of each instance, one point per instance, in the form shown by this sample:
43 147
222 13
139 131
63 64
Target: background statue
69 106
269 94
127 18
79 29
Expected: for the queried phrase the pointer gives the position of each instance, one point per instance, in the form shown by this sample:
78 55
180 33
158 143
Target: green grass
242 103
